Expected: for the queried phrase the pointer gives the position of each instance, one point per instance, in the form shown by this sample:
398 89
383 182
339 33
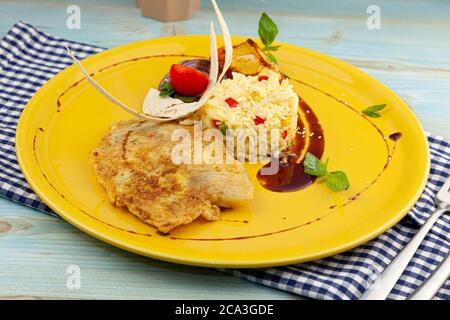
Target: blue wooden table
410 53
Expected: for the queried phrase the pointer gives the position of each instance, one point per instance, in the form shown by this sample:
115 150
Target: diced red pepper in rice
231 102
258 120
216 123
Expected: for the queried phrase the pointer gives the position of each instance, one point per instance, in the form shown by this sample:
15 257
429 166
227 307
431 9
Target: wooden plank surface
36 251
410 54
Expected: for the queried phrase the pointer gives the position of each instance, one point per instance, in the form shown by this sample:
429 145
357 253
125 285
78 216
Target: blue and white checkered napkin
28 58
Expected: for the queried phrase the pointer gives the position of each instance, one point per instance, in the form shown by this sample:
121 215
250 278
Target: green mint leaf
184 98
373 111
267 29
223 128
313 166
337 181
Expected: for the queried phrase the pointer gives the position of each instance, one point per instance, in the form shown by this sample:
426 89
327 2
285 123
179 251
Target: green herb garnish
166 90
268 31
223 128
314 167
373 111
336 180
184 98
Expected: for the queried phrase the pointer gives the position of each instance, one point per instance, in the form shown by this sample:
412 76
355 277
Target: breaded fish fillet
133 163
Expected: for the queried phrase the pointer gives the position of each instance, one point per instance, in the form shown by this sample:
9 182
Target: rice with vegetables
256 103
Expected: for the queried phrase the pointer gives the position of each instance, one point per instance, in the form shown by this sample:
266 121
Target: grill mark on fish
124 145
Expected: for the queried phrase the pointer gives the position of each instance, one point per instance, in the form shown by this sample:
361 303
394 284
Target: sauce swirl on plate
291 175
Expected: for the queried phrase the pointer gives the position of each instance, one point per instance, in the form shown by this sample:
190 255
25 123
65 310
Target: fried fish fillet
133 163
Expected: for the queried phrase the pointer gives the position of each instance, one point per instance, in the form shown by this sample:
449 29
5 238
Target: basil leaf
376 108
223 128
165 93
267 29
337 181
168 85
373 110
167 89
372 114
184 98
273 48
270 56
313 166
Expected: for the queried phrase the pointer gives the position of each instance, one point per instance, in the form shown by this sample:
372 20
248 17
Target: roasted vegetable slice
248 58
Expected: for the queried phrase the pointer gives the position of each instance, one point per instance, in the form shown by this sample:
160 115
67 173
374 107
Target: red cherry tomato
188 81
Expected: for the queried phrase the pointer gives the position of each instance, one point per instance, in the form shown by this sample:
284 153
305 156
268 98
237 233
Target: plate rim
207 262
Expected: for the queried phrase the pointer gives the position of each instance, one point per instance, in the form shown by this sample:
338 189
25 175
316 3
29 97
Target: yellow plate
67 118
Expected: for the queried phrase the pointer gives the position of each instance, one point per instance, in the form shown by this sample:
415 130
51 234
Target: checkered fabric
28 58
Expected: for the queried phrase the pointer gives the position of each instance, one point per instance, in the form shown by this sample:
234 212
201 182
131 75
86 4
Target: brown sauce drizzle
291 176
234 220
333 207
252 236
291 179
395 136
